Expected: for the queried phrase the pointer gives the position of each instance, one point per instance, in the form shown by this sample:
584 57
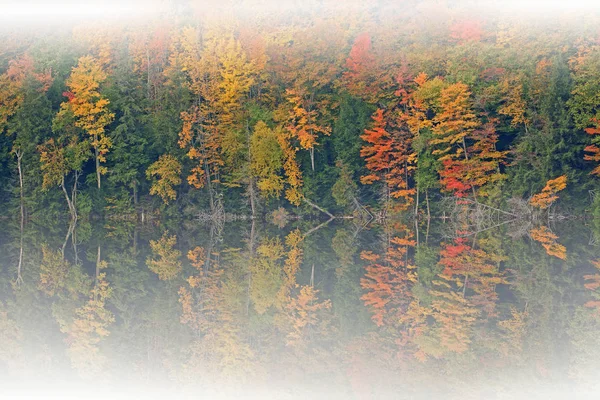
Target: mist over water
372 312
318 199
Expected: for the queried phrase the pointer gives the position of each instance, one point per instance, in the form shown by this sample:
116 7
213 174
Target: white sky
55 10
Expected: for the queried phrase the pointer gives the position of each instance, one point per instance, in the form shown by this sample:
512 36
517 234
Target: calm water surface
182 309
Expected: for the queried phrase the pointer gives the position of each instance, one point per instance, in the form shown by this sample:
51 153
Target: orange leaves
306 316
389 157
467 151
545 236
387 281
592 282
204 144
593 149
12 85
168 170
359 67
548 195
197 257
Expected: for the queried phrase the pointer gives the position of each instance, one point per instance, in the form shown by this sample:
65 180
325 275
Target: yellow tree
88 328
219 76
211 309
89 108
165 257
304 122
267 160
168 170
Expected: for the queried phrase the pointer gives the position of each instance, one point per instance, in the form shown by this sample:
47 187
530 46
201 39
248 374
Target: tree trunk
97 271
135 193
97 160
74 192
313 205
464 143
19 280
22 198
209 187
71 208
417 204
251 192
427 201
312 158
428 215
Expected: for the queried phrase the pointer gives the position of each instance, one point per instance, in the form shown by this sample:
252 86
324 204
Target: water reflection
336 312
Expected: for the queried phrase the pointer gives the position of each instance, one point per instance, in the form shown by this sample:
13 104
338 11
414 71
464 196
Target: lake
312 309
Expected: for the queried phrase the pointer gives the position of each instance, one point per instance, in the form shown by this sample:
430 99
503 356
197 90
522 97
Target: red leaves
69 95
453 176
466 31
389 157
359 64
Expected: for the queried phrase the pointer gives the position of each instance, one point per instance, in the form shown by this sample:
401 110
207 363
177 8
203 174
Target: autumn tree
389 158
167 170
267 160
359 66
165 257
548 195
60 159
305 120
388 280
585 100
452 125
547 238
88 328
88 109
213 313
219 75
23 111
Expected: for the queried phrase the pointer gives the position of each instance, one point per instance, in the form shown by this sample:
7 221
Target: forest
372 108
318 199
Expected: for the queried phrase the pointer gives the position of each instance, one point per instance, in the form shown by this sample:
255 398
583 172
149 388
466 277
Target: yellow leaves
165 259
456 118
304 119
53 164
168 171
267 275
87 105
545 236
292 170
197 177
53 271
304 314
87 329
197 257
548 195
266 160
514 103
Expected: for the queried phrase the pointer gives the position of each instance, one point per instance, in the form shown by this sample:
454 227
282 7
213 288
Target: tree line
327 106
